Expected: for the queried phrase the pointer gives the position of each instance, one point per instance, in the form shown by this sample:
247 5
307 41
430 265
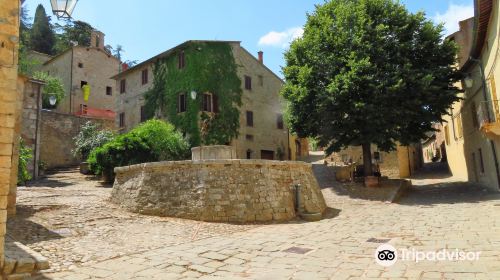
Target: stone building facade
473 128
86 65
265 136
401 163
11 87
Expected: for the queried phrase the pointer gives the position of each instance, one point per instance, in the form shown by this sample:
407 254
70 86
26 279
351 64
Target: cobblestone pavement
437 213
68 219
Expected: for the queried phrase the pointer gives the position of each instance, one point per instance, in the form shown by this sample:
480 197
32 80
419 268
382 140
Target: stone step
21 261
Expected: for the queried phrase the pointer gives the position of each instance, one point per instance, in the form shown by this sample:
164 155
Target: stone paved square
102 241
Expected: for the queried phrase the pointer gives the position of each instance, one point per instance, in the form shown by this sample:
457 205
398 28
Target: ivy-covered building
215 92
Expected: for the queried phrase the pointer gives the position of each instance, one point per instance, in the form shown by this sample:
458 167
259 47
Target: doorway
268 155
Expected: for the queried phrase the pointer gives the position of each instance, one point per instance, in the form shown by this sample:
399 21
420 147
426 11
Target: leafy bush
53 86
22 169
152 141
91 136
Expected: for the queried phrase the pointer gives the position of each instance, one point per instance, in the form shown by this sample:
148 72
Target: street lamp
469 82
52 99
63 8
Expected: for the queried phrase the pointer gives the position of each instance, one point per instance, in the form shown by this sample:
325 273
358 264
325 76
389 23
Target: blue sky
147 27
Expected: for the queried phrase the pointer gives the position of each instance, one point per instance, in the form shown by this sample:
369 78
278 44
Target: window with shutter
248 82
250 118
181 103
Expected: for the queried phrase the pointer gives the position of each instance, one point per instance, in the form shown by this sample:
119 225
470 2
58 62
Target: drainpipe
71 82
409 161
485 96
38 116
297 199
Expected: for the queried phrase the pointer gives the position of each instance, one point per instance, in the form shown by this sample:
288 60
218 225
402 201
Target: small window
83 109
261 80
143 114
248 82
145 76
181 103
460 130
109 91
123 86
182 60
279 122
249 137
80 65
447 134
249 118
249 154
82 83
481 162
475 121
122 120
207 104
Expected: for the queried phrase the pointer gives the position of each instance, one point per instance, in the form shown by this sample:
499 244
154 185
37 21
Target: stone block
19 276
8 265
5 161
5 149
25 265
6 135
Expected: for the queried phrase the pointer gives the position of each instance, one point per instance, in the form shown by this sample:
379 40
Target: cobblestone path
98 241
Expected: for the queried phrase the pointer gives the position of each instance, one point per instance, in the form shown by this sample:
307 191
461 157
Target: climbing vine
209 67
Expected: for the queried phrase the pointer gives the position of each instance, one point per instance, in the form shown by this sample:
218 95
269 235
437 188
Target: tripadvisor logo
386 255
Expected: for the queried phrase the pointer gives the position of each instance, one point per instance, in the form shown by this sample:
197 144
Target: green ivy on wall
209 67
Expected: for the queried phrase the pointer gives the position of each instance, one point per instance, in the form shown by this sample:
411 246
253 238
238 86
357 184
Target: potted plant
42 167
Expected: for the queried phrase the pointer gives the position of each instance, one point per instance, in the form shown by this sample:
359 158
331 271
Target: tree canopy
368 72
72 33
42 36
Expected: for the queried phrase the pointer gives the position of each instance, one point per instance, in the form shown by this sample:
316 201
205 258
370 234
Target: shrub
22 169
90 137
152 141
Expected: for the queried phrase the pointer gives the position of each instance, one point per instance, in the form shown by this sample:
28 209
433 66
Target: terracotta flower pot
372 181
84 168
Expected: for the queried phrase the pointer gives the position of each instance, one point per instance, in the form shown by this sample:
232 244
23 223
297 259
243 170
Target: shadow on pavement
448 193
22 229
434 184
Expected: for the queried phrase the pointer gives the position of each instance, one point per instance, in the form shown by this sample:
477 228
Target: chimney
97 39
124 67
261 57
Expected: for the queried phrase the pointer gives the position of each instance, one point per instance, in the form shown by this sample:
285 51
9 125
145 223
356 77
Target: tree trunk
367 159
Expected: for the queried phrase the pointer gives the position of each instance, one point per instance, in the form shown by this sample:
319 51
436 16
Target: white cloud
281 39
453 15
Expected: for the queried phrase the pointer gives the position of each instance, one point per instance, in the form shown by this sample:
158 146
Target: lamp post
52 99
63 8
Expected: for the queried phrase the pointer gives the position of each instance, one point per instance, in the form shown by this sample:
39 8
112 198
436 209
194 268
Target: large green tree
42 36
368 72
72 33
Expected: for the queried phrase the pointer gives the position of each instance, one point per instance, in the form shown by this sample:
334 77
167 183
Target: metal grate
297 250
377 240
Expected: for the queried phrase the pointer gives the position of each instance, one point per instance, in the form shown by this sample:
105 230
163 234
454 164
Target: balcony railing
488 112
488 118
95 113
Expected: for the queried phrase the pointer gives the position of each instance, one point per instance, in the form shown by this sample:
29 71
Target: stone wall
31 121
218 190
57 133
10 103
